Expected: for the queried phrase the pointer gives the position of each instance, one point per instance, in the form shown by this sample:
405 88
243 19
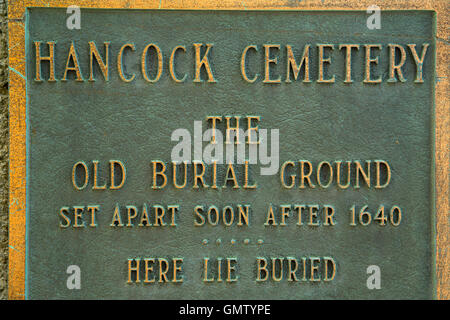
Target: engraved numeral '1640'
382 217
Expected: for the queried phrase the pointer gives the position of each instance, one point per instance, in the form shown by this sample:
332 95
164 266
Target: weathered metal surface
132 122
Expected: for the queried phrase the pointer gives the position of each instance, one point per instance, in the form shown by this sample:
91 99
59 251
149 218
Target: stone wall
4 144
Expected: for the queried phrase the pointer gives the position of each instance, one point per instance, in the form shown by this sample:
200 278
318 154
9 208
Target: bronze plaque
231 154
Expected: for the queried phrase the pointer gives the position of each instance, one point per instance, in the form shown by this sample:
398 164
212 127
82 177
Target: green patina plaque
101 198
